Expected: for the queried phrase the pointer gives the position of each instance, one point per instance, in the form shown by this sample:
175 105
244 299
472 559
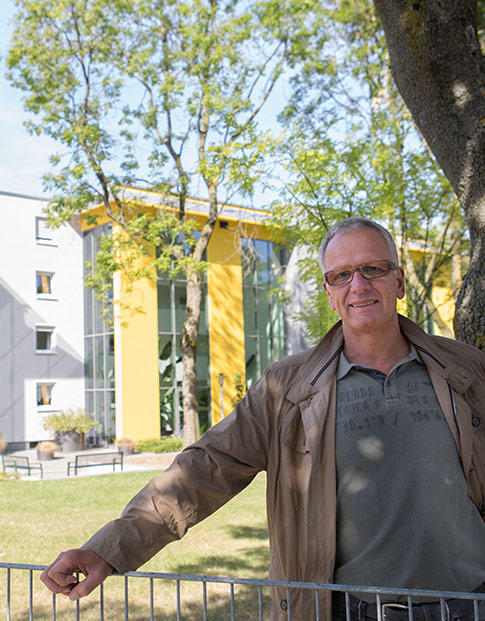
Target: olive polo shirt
404 519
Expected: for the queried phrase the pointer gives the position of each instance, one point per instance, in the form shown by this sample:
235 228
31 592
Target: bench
87 460
18 462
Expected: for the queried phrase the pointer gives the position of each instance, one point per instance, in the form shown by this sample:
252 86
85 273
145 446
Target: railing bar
31 595
8 594
410 608
101 602
78 604
288 603
204 591
260 602
317 604
475 610
152 607
53 607
232 603
281 584
126 599
443 607
347 606
379 607
178 601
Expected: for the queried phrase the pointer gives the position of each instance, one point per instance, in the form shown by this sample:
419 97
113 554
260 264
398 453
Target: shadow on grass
248 532
250 561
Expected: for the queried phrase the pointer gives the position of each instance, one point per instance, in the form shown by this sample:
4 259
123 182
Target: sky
23 158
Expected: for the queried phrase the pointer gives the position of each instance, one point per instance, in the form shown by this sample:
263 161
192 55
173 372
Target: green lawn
41 518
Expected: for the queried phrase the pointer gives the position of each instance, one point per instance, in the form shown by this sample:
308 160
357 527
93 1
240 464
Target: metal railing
30 592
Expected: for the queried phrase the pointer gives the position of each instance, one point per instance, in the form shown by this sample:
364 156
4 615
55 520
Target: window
44 339
44 393
43 234
44 283
99 349
264 326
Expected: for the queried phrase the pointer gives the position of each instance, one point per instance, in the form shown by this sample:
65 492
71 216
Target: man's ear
401 286
329 295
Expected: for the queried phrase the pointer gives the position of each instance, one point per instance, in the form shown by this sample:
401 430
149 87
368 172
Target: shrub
125 442
240 389
69 420
47 447
9 476
166 444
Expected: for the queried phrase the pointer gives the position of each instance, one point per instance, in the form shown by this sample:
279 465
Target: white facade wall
23 311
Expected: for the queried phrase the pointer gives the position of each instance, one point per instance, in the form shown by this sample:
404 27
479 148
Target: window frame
43 407
40 274
43 235
40 328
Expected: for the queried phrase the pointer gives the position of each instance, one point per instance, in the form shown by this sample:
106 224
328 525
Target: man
374 448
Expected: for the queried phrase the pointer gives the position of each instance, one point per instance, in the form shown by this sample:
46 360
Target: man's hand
59 576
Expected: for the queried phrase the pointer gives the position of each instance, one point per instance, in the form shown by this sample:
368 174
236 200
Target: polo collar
344 365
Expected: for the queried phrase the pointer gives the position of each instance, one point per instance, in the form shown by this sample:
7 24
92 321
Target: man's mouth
363 304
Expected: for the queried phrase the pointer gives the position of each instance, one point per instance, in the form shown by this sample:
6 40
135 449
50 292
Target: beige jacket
286 426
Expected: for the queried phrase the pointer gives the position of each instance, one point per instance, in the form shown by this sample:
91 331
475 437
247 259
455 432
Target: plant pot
126 449
69 441
44 455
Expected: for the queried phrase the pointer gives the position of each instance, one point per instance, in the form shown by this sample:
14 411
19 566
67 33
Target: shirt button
475 421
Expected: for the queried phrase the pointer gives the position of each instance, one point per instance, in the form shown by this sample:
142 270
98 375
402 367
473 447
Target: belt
399 611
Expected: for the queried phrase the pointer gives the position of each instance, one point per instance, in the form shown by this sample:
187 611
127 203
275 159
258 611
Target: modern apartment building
57 352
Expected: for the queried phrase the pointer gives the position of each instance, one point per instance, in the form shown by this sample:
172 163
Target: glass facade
264 321
99 352
171 313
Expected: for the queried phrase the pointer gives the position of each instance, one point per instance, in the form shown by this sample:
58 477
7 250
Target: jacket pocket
295 459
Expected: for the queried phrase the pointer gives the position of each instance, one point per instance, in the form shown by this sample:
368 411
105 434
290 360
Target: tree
438 64
353 149
160 95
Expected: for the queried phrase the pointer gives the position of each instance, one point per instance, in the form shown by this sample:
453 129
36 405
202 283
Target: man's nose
359 282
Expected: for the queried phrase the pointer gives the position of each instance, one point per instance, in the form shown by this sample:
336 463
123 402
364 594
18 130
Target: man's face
363 305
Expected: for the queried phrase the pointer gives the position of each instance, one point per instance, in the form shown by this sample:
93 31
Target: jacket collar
459 377
321 367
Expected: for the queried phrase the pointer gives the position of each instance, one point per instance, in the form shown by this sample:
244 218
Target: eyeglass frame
358 268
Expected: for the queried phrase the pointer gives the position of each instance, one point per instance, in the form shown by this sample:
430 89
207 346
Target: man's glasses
369 271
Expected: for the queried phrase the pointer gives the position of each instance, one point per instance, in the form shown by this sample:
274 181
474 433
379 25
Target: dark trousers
454 610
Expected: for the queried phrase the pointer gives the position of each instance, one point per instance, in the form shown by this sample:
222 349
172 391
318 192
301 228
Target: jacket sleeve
200 480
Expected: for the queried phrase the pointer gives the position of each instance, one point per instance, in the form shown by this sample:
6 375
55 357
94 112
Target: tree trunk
190 330
439 69
190 333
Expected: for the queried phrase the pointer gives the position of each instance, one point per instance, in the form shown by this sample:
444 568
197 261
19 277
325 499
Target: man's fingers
59 583
86 586
60 576
62 579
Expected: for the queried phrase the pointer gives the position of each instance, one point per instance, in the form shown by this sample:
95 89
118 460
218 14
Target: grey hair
354 224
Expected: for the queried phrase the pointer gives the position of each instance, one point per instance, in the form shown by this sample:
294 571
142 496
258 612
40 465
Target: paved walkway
57 468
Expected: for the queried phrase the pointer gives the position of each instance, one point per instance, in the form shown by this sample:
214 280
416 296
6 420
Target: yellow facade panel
445 305
136 359
226 320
